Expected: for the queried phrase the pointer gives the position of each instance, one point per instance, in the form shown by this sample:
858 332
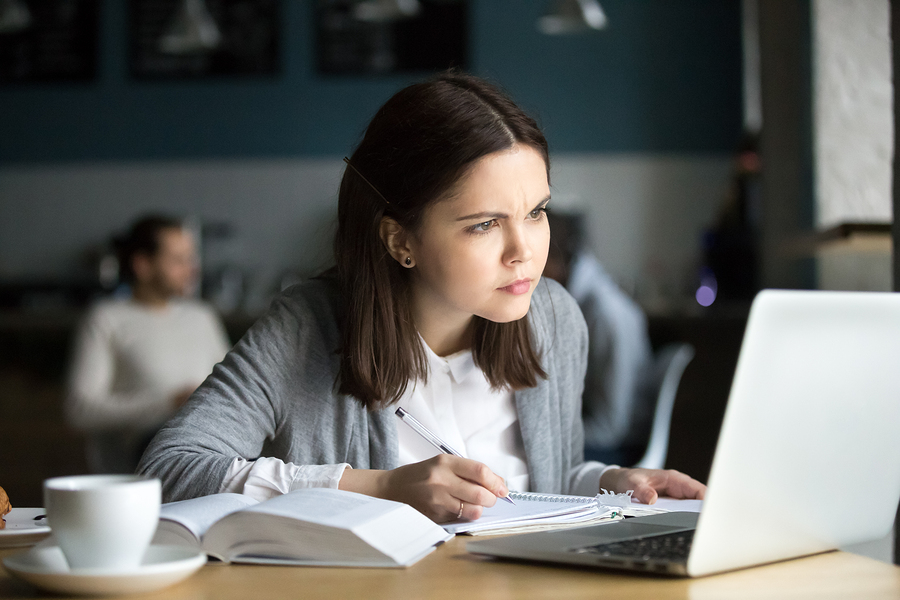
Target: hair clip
361 176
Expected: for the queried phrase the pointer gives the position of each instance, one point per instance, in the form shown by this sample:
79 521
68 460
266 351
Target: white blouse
459 406
457 403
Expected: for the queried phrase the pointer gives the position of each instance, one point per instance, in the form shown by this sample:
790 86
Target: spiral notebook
534 512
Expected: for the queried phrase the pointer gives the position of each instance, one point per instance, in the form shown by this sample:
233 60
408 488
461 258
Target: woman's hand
649 484
436 487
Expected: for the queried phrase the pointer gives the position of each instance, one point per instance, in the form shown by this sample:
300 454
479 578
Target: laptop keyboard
668 547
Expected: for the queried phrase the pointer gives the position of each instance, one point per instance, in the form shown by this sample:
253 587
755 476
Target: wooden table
451 573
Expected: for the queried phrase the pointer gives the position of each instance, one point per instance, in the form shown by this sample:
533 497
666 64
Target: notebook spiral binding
532 496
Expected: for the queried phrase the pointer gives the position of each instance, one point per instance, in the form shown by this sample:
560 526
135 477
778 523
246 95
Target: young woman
436 305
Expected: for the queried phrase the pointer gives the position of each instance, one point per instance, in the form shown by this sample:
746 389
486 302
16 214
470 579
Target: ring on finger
461 505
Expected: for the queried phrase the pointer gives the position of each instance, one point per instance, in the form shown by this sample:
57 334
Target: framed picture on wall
200 38
48 40
380 37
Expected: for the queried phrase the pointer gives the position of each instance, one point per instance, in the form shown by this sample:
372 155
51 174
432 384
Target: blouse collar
459 365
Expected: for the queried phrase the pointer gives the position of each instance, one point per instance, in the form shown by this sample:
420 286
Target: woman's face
482 251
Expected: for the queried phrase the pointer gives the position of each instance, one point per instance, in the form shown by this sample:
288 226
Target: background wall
645 212
853 112
641 118
853 139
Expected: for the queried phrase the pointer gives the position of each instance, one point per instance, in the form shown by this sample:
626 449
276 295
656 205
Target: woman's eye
537 213
481 227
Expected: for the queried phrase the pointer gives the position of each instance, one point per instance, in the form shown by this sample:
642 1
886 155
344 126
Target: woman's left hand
649 484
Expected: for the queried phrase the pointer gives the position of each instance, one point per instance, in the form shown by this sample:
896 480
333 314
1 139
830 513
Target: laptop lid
808 457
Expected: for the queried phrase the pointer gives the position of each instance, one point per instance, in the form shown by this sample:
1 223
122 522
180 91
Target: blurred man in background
617 403
137 359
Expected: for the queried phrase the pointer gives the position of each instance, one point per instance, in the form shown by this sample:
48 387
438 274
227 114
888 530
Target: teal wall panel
664 77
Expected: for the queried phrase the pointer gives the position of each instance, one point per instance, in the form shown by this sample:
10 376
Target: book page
198 514
662 505
678 505
402 534
323 506
325 526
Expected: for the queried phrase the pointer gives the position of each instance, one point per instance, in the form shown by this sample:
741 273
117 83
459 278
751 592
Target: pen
433 439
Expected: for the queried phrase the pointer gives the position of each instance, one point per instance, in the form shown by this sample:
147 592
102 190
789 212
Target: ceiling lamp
572 16
380 11
193 30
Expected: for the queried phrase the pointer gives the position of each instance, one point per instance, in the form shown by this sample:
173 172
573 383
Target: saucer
45 567
21 528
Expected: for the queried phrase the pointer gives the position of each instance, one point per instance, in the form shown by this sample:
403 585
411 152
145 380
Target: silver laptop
808 458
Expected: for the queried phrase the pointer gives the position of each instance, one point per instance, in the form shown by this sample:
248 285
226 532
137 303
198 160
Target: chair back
668 367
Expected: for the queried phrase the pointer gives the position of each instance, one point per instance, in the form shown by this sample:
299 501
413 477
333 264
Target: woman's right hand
436 487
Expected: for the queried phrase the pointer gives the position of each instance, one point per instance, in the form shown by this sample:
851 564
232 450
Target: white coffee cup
103 521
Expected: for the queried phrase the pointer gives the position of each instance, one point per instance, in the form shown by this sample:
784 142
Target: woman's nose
518 246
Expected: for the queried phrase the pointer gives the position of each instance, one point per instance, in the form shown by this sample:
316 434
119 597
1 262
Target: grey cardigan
274 395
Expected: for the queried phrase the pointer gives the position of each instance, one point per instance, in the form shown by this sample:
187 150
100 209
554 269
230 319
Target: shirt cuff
325 476
236 476
268 477
586 481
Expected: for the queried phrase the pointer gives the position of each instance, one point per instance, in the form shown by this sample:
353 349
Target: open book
314 526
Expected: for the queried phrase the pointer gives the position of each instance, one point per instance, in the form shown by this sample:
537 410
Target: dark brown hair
142 238
418 145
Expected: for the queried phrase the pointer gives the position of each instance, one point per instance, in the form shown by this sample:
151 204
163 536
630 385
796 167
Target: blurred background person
137 358
731 247
618 399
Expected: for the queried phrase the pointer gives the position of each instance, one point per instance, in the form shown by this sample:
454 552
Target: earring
408 262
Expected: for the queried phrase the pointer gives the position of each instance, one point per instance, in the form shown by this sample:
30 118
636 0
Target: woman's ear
396 240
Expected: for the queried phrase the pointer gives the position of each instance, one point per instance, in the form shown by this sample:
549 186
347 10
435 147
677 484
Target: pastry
5 507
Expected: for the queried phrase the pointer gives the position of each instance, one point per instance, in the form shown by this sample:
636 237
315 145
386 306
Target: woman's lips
517 287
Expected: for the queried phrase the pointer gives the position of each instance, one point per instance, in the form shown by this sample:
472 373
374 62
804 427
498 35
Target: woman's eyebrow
495 215
483 215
